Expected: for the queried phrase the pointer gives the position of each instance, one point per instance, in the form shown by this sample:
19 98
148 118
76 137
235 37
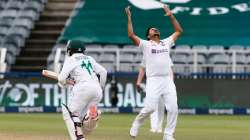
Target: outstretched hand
167 10
127 10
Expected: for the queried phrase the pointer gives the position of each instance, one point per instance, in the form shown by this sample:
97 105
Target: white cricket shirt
82 68
157 56
144 65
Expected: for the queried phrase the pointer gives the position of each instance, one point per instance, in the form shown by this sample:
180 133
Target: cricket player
159 83
86 91
157 117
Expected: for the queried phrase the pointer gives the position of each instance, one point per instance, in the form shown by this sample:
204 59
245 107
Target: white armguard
103 78
99 69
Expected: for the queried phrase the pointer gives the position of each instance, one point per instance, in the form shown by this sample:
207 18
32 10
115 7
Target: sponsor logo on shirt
155 51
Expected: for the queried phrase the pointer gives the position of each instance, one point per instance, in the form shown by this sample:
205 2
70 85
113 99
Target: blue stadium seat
219 59
247 66
93 46
34 5
95 55
24 22
14 39
220 63
15 4
216 49
30 14
200 59
109 66
9 14
202 49
6 22
111 46
138 57
240 59
179 58
237 48
3 31
129 47
126 58
107 58
10 58
184 49
3 4
126 67
19 31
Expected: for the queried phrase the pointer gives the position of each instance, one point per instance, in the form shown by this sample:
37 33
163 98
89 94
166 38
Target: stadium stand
185 61
30 28
206 52
50 17
199 29
211 59
17 18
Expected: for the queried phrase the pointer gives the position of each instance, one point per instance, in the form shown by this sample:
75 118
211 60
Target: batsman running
86 91
159 82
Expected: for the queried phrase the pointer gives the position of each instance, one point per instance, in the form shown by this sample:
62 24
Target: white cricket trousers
156 88
157 117
84 95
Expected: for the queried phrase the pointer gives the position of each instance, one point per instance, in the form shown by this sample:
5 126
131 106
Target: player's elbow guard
103 77
105 72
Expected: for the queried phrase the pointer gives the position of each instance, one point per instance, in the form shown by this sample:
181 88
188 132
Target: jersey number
87 65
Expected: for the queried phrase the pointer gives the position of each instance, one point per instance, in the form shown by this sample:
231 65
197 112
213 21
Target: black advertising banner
192 93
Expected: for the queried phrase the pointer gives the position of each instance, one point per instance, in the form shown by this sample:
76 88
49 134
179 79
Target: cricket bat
54 75
50 74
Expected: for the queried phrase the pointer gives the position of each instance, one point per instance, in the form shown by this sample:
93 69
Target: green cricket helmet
75 46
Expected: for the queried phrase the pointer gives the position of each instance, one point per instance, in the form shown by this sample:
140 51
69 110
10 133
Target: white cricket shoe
133 133
156 131
153 130
168 138
159 131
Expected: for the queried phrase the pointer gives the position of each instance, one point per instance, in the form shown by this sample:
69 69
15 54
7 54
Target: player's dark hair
71 51
147 32
75 46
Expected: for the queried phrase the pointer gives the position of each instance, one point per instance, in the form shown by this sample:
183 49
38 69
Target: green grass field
116 127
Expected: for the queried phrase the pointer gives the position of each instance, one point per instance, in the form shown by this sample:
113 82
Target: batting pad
72 124
90 123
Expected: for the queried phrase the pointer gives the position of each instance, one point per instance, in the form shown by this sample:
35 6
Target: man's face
154 32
